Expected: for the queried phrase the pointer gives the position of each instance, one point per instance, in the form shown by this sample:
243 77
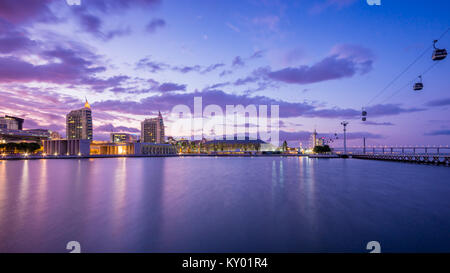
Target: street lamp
345 123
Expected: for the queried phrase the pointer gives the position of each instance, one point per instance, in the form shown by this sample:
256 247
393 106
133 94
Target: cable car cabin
418 86
364 115
439 54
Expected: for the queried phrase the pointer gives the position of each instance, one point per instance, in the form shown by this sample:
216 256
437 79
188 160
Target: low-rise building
84 147
33 135
234 146
67 147
110 148
154 149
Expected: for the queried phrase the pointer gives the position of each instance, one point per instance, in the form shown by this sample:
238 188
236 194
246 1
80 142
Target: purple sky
320 61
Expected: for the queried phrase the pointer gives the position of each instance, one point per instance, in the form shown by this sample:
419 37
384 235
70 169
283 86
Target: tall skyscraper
152 130
314 139
79 123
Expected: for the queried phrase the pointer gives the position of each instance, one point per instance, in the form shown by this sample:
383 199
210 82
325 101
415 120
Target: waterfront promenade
35 157
430 159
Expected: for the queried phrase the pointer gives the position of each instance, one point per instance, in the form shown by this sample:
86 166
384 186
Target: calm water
261 204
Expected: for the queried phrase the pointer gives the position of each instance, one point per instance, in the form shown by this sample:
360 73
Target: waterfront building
236 146
111 148
314 139
152 130
67 147
142 148
33 135
11 123
122 137
130 148
79 123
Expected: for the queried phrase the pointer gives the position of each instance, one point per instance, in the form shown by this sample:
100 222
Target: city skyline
132 59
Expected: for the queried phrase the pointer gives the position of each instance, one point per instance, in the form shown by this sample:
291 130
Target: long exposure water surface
224 204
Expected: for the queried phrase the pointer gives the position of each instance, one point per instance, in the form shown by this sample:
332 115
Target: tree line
23 147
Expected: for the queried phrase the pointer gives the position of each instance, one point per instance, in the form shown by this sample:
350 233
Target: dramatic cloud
249 79
377 123
15 41
225 72
197 68
166 101
89 15
257 54
111 128
329 68
345 61
237 62
22 11
305 136
101 85
72 64
94 25
439 102
16 70
360 135
168 87
90 23
154 24
389 109
109 6
151 66
439 133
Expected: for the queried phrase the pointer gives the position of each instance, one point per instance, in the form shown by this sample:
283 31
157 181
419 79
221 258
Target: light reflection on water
223 204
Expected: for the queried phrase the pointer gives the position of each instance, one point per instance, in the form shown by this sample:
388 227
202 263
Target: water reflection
23 192
261 204
119 191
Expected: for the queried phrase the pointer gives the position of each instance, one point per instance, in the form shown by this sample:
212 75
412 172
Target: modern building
11 123
154 149
79 123
314 139
134 148
67 147
33 135
235 146
110 148
152 130
122 138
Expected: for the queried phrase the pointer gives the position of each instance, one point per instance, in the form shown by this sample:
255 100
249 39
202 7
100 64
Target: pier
421 159
438 155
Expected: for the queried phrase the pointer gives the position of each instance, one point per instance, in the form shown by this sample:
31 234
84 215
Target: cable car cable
406 69
409 83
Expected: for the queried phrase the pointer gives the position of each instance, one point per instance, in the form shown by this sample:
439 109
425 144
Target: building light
26 154
44 154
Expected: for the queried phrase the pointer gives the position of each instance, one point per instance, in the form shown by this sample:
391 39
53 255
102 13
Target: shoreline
7 158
